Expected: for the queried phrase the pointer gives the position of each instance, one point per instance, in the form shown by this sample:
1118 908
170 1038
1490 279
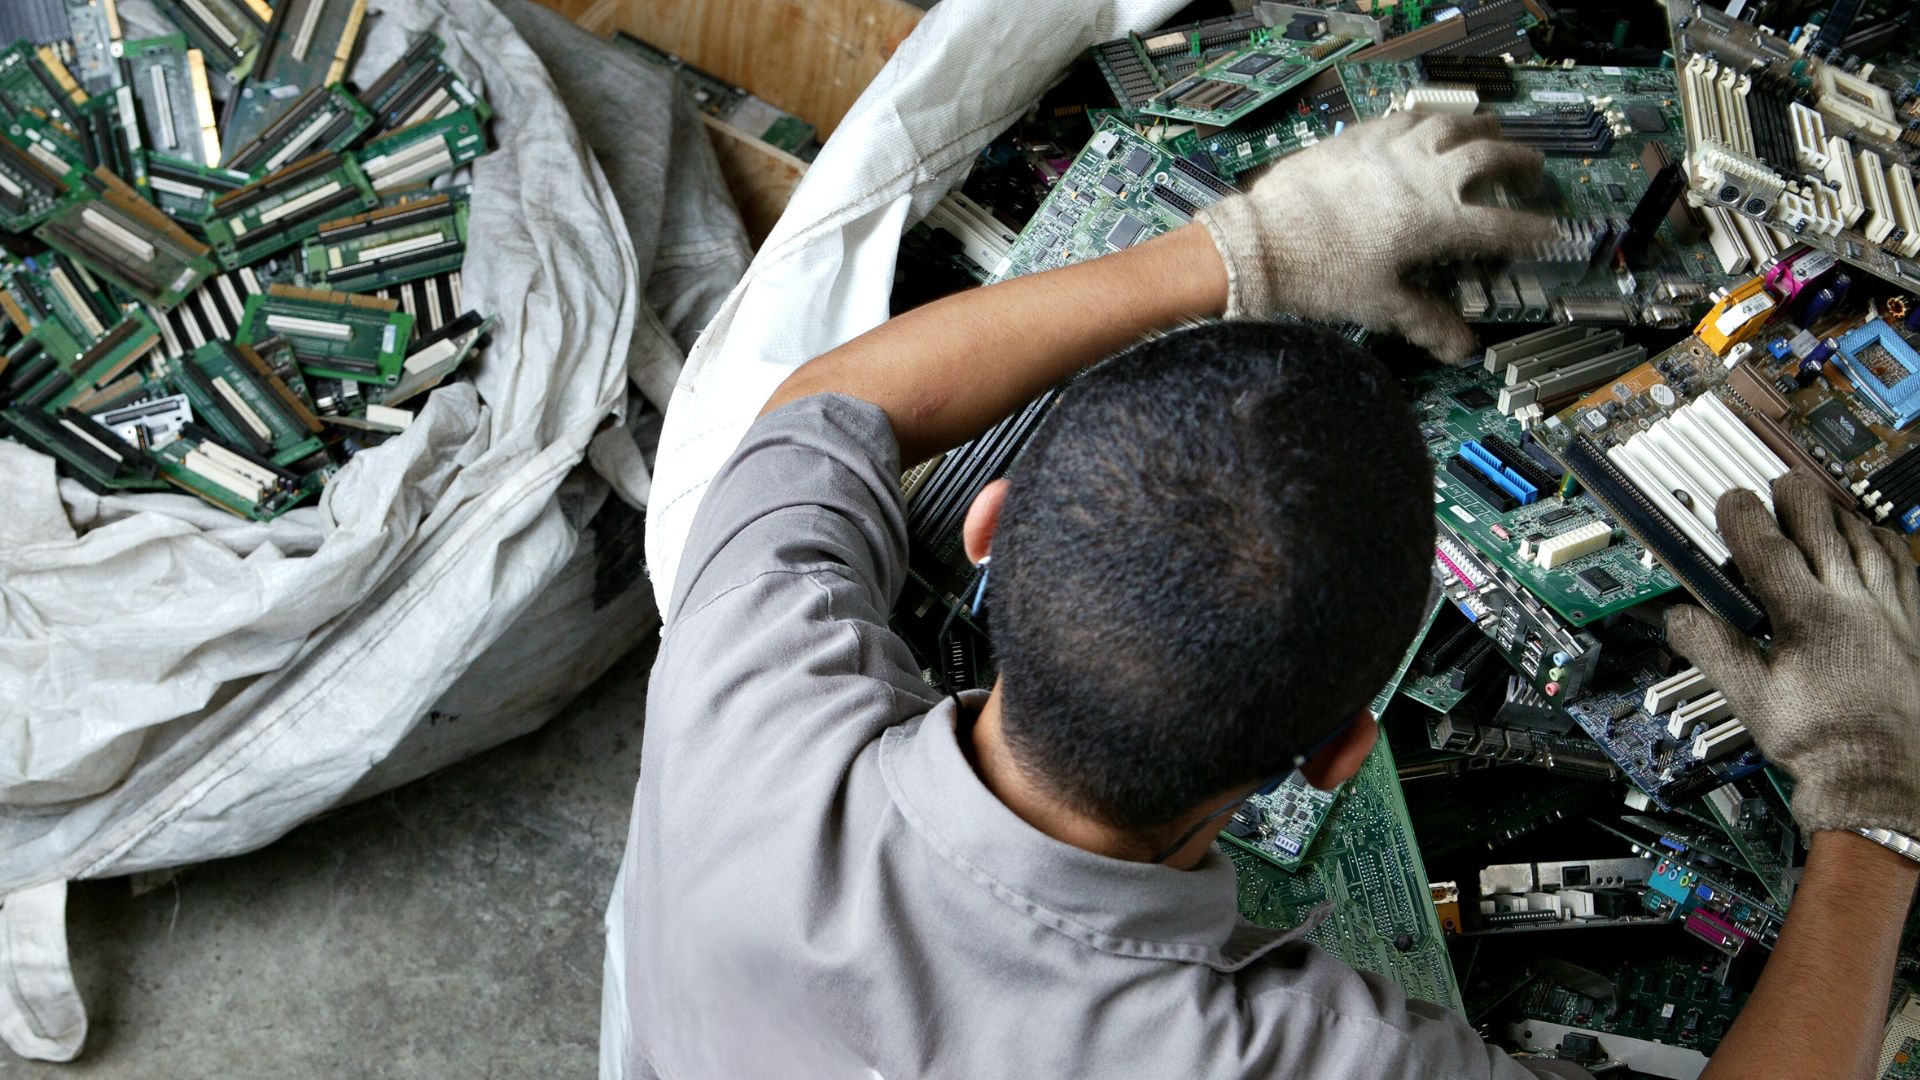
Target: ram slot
1878 224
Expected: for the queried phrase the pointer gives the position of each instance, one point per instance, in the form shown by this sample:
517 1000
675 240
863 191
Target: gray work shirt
818 884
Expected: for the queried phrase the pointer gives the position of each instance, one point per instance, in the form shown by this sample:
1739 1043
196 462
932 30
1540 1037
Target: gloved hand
1330 233
1836 700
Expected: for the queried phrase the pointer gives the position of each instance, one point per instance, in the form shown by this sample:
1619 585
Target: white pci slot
119 234
1845 180
299 202
399 247
83 433
203 463
1878 224
1906 209
299 142
982 238
1728 245
1675 688
244 410
64 286
1707 709
163 106
1701 451
1759 239
1809 137
1720 740
313 328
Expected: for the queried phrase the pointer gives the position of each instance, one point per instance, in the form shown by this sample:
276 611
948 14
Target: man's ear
983 519
1336 763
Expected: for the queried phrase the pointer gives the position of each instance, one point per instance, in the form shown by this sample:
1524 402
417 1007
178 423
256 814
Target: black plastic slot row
105 257
113 339
1573 130
337 363
27 294
1174 201
1488 75
26 171
11 203
41 75
255 245
418 89
51 437
1490 493
1204 178
385 95
1898 482
28 366
238 200
1772 138
191 377
1520 463
216 184
1707 582
53 387
9 106
346 274
411 216
287 125
183 12
1467 670
1440 650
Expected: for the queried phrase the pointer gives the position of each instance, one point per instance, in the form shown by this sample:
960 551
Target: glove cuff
1234 226
1879 803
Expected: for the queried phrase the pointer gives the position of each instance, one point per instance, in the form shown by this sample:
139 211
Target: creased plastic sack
825 273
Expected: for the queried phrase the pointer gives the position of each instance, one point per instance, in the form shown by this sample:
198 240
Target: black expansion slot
1173 200
1204 178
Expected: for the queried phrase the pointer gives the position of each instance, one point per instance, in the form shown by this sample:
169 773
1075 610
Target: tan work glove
1330 233
1836 700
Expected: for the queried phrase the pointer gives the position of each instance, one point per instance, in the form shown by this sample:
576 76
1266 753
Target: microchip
1083 195
1558 516
1599 580
1617 192
1473 397
1432 434
1112 183
1842 433
1138 161
1252 65
1126 232
1646 119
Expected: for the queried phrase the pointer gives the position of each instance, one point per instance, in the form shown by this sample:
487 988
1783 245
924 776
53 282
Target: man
1206 563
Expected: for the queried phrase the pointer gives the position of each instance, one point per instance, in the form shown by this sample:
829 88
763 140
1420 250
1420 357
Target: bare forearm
948 371
1820 1006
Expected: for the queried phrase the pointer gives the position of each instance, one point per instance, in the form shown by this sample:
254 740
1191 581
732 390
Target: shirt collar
1115 905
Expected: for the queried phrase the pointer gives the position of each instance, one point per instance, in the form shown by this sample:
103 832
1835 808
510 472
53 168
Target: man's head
1211 556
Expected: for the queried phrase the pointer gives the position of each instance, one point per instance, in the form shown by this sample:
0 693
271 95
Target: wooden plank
761 177
600 17
809 57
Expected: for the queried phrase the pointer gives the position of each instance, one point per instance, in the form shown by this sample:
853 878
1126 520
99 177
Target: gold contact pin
203 106
338 299
60 74
344 52
260 8
14 314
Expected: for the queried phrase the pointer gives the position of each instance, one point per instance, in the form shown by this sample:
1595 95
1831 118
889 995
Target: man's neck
993 760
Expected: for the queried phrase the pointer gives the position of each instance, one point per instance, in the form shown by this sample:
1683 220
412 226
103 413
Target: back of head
1214 552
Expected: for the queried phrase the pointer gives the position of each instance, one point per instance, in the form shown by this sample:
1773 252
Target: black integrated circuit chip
1473 397
1252 65
1598 579
1138 161
1126 232
1646 119
1841 432
1617 192
1555 517
1112 183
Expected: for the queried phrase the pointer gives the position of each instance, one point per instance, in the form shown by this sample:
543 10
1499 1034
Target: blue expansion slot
1493 469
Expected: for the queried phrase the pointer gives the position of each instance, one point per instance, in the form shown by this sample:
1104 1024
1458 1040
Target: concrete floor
450 928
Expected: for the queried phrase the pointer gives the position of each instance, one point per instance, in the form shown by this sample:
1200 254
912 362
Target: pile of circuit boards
1567 832
225 271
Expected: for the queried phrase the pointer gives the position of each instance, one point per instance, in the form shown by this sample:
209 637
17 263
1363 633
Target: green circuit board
1365 861
1227 90
306 46
1670 1000
1621 111
169 80
1456 405
1120 190
227 32
1237 150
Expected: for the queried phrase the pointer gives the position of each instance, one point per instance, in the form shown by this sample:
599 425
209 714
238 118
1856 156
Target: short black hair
1216 549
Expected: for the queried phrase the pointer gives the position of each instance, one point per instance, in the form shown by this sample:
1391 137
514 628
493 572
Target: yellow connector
1738 316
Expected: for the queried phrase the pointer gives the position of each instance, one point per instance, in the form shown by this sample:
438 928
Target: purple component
1821 302
1912 321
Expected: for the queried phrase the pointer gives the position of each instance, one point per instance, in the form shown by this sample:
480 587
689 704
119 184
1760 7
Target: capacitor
1821 302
